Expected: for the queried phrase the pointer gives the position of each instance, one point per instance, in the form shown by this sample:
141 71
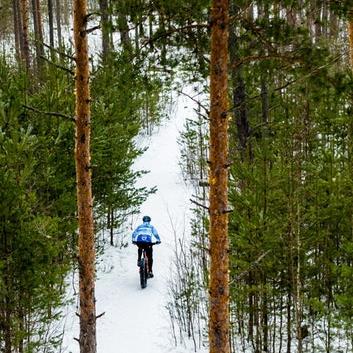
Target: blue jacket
145 233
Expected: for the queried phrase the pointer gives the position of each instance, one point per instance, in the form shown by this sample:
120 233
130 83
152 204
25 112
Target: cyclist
145 236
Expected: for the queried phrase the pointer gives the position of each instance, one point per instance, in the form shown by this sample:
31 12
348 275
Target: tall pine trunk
25 55
218 180
87 338
17 28
58 21
51 23
38 31
7 311
350 37
238 92
350 128
123 29
103 7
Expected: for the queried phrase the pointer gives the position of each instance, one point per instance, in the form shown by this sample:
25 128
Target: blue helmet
146 219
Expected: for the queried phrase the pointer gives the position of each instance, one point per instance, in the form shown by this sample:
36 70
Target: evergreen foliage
291 178
33 234
120 112
38 192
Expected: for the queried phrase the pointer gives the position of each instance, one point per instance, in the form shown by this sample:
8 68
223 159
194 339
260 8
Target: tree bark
289 320
218 180
25 55
112 227
51 23
123 28
38 31
87 338
350 148
238 91
17 27
318 20
7 334
58 21
350 37
103 6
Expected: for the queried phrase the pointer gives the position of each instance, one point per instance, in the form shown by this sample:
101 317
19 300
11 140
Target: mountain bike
144 266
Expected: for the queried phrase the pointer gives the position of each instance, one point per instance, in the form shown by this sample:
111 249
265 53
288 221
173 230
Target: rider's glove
158 242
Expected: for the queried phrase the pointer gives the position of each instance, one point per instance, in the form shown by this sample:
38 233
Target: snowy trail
136 320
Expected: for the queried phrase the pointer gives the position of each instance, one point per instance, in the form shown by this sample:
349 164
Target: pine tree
25 53
218 180
34 232
38 32
86 256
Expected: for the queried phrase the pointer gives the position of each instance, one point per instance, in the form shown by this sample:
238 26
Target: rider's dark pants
149 253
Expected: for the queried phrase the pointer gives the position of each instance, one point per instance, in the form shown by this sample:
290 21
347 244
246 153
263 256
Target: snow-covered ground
136 320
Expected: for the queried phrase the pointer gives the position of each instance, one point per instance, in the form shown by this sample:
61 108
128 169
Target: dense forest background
291 150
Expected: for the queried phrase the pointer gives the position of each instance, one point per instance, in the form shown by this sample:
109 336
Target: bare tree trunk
238 92
264 319
350 129
25 55
112 227
40 26
291 16
289 321
350 37
17 27
58 21
6 304
103 6
7 324
251 308
334 24
83 178
324 19
51 23
123 28
298 289
350 143
21 320
318 20
218 180
38 32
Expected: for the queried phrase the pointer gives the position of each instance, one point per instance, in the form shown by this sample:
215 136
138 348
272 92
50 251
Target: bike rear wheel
143 274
